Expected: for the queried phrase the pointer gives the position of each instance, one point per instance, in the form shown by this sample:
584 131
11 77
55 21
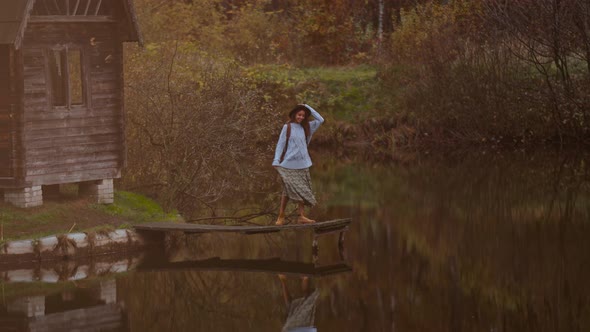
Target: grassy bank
349 98
70 214
340 93
389 107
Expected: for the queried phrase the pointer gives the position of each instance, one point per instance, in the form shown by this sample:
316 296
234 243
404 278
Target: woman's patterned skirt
297 185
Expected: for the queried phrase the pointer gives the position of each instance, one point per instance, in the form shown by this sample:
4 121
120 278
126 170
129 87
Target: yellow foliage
434 30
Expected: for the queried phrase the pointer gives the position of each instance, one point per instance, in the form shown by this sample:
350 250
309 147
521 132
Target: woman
292 160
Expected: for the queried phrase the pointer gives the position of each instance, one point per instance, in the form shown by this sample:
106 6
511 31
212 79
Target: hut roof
14 15
134 33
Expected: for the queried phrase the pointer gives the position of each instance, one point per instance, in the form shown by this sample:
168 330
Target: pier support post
341 246
315 250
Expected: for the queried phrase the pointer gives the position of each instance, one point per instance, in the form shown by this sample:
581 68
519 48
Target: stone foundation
24 197
100 191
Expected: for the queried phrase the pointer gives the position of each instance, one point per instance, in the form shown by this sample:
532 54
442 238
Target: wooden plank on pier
318 227
273 265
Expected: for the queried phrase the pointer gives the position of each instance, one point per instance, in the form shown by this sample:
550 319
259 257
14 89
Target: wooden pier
339 226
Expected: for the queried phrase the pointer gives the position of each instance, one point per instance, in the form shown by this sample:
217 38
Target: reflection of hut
61 95
81 310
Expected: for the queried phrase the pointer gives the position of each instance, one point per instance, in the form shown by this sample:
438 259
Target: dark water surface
467 242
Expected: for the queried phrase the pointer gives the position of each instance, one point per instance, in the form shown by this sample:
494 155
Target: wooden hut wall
11 153
79 143
5 119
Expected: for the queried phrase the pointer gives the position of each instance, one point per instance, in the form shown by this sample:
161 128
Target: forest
214 79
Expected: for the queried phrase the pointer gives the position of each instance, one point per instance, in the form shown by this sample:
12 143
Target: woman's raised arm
318 119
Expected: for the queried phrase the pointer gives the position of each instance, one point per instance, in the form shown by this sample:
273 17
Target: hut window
72 8
75 77
57 64
67 85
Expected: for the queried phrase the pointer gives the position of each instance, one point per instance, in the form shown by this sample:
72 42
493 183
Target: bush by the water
480 70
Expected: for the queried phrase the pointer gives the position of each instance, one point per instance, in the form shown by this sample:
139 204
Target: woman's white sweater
297 156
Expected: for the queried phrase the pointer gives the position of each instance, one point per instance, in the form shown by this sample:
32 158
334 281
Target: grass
342 74
74 214
342 93
136 208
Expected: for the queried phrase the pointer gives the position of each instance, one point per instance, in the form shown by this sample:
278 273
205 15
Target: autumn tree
551 36
197 130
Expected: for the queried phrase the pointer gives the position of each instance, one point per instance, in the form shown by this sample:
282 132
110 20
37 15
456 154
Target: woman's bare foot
304 220
280 221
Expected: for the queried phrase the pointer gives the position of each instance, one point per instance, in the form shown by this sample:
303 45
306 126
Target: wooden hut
61 96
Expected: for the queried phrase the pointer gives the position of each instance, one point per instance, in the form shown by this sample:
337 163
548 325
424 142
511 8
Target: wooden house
61 96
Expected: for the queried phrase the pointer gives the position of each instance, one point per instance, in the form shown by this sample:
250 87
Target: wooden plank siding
11 165
82 142
5 119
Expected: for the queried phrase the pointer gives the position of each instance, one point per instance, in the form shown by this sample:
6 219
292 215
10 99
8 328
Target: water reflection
173 288
441 243
467 242
83 309
237 290
64 295
300 310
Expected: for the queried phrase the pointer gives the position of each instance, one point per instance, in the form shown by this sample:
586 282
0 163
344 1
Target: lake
462 241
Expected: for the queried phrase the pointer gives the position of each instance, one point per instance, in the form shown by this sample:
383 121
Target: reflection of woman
300 311
292 160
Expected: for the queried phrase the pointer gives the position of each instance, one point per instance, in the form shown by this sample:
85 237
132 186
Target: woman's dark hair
305 122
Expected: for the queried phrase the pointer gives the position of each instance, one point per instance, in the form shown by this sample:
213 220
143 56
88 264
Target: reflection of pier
274 265
93 309
70 305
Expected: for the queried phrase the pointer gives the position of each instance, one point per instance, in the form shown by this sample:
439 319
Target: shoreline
71 246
